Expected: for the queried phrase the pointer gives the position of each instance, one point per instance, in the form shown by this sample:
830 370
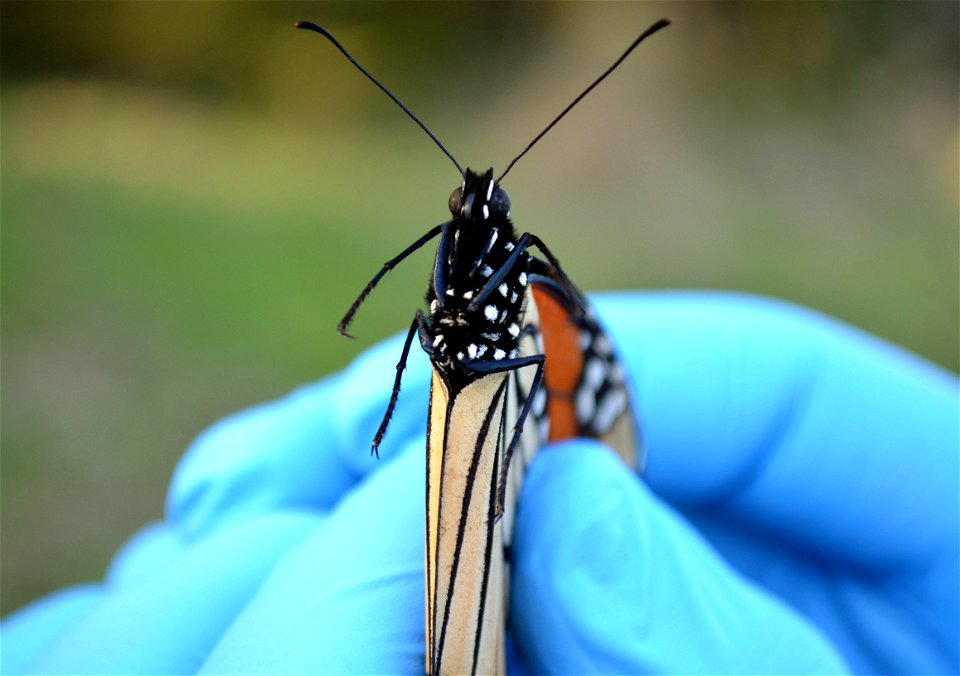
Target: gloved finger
349 599
899 624
608 579
840 444
170 619
152 547
30 631
302 451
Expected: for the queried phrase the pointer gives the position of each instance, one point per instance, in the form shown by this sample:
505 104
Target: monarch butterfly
502 323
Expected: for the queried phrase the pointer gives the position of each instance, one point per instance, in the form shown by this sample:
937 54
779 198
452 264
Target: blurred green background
193 193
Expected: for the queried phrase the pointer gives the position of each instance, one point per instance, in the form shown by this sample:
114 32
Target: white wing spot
482 350
523 279
586 405
450 292
499 354
594 374
490 312
460 356
472 350
486 212
490 190
437 339
503 289
513 330
513 297
503 317
486 271
468 295
610 408
492 337
508 246
434 305
540 401
544 428
602 345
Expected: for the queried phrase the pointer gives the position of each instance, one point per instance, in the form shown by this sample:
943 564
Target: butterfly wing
585 383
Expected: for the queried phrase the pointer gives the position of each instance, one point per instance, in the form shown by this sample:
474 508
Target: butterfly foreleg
387 267
497 277
418 323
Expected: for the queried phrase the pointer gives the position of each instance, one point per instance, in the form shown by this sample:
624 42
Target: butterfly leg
508 365
574 293
525 242
497 277
418 323
387 267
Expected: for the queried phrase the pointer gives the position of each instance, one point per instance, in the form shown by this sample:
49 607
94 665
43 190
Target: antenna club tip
662 23
309 25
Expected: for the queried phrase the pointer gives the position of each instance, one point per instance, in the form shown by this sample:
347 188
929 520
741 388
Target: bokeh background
193 193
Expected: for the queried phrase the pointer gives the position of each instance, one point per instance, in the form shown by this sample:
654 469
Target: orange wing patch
564 368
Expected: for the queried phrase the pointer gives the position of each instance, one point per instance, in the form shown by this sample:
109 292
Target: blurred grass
192 194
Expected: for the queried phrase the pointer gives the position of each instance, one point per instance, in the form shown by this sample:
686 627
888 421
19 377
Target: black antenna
662 23
310 26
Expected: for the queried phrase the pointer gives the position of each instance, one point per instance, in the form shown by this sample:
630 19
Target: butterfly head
480 198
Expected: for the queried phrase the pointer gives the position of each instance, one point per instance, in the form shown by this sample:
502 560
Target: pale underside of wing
464 561
466 570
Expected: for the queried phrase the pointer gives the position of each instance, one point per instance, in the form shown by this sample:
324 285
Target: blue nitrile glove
798 514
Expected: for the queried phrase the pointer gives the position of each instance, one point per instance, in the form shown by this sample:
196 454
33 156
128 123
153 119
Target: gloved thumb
608 579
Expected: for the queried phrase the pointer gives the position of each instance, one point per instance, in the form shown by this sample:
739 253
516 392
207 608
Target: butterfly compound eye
500 202
455 202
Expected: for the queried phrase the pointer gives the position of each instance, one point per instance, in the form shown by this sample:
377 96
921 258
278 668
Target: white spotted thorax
480 244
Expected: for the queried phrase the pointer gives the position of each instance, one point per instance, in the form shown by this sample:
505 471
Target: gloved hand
798 514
